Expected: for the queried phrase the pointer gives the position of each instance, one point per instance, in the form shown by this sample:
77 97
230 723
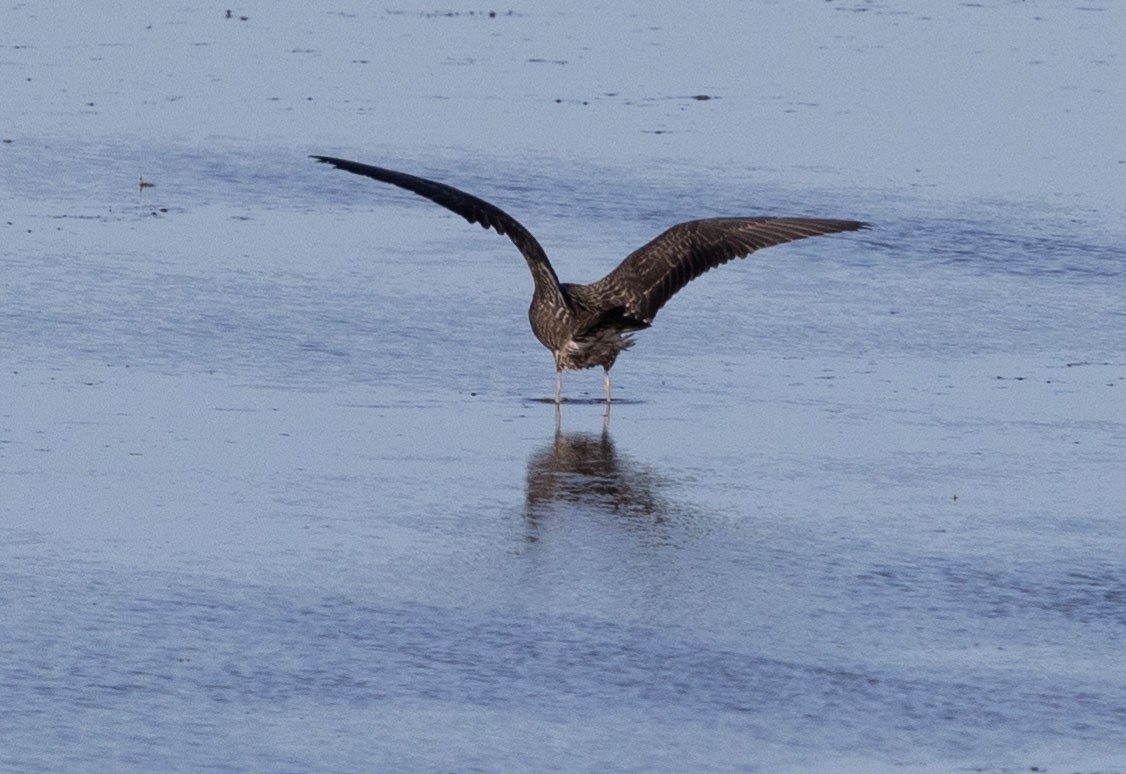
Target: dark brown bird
590 325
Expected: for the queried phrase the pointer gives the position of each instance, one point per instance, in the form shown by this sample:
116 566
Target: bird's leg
606 380
558 386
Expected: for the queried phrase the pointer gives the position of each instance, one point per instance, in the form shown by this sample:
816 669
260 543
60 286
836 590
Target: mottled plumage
589 325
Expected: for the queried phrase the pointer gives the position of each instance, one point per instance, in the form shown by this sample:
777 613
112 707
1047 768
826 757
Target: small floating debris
680 97
449 14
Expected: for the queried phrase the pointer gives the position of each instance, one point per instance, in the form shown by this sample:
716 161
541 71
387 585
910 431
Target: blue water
278 487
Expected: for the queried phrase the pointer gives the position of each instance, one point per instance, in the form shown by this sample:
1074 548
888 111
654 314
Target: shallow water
280 490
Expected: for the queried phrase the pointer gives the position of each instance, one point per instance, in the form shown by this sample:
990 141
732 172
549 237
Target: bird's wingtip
333 160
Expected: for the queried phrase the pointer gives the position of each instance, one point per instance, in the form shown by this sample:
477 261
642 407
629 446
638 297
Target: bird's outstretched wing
651 275
467 206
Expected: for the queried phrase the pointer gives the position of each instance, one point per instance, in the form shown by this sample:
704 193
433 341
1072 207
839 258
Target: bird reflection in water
583 472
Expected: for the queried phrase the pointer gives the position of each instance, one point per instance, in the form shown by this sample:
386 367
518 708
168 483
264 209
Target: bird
585 326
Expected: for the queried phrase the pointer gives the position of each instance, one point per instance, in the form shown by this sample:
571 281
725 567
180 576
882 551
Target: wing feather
652 274
473 209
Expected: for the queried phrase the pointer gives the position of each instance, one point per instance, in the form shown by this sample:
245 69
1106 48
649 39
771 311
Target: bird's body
590 325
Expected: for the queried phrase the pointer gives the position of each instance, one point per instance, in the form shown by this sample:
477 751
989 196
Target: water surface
280 490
